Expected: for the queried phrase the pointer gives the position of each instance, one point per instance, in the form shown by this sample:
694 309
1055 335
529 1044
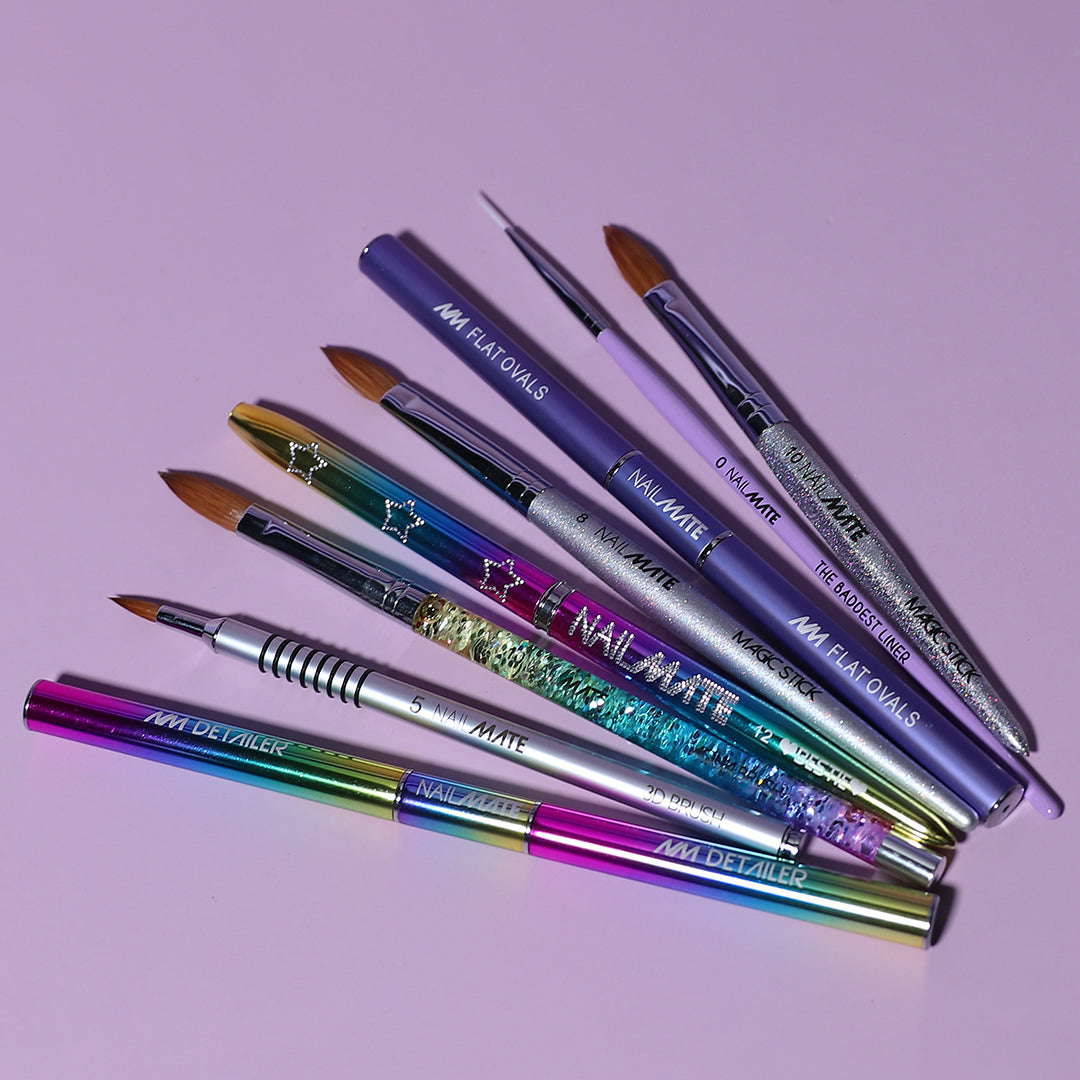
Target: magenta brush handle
513 822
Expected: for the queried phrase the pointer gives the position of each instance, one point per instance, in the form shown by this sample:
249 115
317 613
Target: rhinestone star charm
298 454
509 579
400 518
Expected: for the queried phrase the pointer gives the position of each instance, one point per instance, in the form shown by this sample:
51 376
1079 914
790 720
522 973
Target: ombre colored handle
414 522
193 742
282 764
761 785
446 805
892 912
442 805
704 697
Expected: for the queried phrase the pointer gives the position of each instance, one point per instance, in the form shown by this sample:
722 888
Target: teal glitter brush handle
761 785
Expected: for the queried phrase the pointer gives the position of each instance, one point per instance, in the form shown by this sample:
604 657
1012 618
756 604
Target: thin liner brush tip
494 212
145 609
363 374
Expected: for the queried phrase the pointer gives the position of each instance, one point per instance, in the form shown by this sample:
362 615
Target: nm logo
452 315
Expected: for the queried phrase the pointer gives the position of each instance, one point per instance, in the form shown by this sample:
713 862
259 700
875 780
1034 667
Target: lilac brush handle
730 465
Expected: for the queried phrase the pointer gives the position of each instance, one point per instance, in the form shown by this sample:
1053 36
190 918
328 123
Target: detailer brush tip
494 212
145 609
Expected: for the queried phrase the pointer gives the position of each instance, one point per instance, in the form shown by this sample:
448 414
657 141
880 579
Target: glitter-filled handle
926 808
761 785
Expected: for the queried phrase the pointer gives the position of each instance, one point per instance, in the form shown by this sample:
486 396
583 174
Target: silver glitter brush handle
851 534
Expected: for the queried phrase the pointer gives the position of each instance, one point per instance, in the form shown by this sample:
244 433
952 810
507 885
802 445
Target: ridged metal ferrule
716 360
378 587
292 660
311 668
490 464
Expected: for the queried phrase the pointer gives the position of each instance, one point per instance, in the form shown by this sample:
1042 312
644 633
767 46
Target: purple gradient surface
878 200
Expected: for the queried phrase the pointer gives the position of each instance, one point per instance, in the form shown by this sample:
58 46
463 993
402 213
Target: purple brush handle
917 728
587 438
729 464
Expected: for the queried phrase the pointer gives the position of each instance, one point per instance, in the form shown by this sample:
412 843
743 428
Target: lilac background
879 199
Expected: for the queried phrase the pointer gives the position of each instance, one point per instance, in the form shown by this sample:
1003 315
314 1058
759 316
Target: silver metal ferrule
791 844
910 862
715 359
243 641
230 637
550 602
1005 806
475 453
382 589
189 621
570 293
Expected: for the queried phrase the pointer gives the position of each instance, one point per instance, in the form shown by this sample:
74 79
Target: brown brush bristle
145 609
220 504
641 270
360 372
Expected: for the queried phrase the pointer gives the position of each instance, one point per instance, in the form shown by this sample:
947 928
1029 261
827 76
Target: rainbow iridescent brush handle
625 650
893 912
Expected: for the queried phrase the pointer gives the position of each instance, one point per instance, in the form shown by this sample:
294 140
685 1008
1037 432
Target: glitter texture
852 536
763 786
